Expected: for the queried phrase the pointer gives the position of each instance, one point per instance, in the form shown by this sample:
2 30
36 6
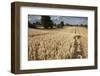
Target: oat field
50 44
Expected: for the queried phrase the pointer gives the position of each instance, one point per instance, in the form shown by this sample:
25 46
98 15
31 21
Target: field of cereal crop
64 43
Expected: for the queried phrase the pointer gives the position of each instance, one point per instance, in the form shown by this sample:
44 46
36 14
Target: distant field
63 43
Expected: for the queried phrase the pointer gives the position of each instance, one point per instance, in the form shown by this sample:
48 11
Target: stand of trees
31 25
77 25
34 25
48 23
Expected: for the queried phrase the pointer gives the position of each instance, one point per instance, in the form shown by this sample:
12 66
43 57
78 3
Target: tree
37 23
46 22
62 24
85 25
51 24
81 25
31 25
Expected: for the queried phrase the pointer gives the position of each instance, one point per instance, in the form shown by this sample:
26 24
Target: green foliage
46 22
62 24
31 25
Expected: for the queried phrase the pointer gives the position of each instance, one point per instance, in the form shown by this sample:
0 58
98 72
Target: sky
57 19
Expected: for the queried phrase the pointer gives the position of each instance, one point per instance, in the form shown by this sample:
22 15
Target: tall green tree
46 22
62 24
